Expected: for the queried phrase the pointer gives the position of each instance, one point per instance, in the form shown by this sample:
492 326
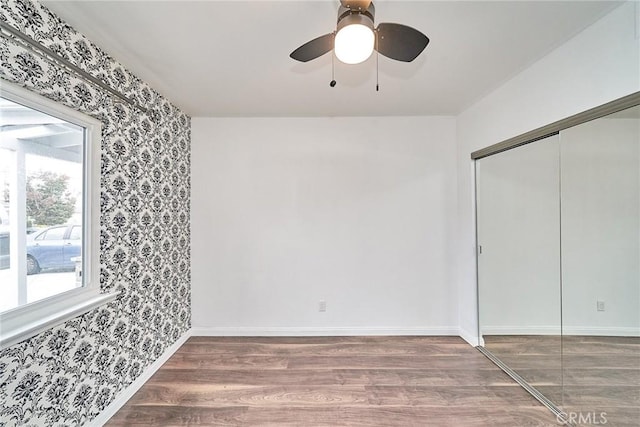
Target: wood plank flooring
331 381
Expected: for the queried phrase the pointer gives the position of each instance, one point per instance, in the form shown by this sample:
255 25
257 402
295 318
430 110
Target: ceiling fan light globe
354 43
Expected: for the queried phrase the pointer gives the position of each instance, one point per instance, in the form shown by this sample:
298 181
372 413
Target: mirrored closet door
558 233
519 261
600 223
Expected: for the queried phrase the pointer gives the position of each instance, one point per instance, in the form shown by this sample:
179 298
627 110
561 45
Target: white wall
600 64
358 212
379 212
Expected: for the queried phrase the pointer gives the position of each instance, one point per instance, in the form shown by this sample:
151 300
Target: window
49 214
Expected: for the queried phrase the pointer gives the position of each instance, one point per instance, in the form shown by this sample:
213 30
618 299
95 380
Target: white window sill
25 322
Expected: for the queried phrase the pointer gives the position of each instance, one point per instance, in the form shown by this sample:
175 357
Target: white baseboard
472 339
521 330
127 393
329 331
566 330
602 331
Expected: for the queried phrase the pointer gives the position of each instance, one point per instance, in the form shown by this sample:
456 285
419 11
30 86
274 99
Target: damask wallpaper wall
68 375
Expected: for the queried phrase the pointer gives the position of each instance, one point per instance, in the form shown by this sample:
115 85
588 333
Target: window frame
28 320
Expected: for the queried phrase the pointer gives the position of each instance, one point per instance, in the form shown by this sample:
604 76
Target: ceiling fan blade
313 49
400 42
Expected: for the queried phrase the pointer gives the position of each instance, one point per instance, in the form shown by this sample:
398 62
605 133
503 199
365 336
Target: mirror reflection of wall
519 261
600 185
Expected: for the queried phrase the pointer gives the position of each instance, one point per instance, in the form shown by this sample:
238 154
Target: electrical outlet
322 306
600 305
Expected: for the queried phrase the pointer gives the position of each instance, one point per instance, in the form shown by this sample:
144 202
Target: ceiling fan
355 37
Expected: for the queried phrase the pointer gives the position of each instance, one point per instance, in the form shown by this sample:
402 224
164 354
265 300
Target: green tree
48 199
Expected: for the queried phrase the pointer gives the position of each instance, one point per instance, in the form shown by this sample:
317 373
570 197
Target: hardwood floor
331 381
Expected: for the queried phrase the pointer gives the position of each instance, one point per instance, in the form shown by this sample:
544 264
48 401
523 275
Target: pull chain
333 75
377 62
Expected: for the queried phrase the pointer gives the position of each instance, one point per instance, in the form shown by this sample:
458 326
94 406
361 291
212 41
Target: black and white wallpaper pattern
68 375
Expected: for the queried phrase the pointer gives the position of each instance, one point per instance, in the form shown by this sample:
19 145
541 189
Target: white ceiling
231 58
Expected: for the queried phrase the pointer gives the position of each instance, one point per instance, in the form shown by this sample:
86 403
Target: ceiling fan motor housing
348 16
